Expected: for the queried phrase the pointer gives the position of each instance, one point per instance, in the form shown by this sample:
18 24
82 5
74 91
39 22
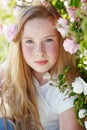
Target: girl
28 101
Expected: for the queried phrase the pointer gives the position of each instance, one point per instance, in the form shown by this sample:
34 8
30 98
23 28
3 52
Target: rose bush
73 26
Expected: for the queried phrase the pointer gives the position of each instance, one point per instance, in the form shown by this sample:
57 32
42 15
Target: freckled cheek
27 53
53 50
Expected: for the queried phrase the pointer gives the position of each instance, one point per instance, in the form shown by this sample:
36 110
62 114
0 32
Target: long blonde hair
18 90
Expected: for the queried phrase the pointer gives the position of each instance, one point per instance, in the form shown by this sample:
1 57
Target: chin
41 71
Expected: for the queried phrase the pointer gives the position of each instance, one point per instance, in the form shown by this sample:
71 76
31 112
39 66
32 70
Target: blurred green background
6 18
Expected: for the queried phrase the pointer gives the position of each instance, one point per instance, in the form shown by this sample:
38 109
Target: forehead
39 25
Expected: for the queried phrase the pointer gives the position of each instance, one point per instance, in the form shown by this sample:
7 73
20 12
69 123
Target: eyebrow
27 37
50 36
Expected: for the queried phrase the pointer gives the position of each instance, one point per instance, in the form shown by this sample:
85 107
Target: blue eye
29 41
49 40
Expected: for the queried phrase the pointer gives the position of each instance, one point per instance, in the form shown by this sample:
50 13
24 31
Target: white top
51 102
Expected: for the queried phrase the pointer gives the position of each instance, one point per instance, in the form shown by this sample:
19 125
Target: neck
39 77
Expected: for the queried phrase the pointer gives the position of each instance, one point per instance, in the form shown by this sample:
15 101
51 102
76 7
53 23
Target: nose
40 50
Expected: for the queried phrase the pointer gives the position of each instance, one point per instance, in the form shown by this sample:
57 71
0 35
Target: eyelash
49 40
29 41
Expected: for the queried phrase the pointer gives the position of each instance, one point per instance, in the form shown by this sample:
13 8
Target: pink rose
1 27
71 13
16 10
62 27
70 46
84 9
83 0
10 32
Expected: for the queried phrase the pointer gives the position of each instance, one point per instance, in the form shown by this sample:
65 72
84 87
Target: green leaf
74 3
72 94
84 44
61 76
66 69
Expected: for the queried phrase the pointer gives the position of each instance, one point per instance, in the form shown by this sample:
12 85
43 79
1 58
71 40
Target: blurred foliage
60 6
6 18
78 30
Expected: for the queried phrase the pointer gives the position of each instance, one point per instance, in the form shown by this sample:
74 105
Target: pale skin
40 50
40 46
68 121
40 43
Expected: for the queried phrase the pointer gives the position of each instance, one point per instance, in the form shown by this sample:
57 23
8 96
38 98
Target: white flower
77 86
81 55
62 27
84 85
47 76
66 3
85 62
85 52
85 88
19 2
85 68
82 113
85 124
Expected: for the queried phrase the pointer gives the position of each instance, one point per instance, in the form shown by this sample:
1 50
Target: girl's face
40 44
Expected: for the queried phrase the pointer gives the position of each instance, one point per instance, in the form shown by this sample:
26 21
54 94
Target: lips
41 62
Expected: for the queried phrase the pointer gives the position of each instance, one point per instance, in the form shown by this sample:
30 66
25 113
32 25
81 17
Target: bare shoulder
69 116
